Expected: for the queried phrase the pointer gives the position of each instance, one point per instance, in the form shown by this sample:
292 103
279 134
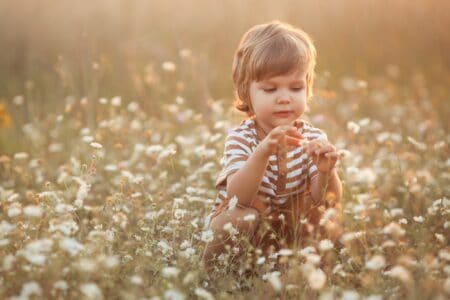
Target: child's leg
222 237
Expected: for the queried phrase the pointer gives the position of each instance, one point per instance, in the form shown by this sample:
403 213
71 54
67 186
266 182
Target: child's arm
326 180
245 182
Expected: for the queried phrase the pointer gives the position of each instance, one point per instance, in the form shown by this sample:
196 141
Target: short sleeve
236 152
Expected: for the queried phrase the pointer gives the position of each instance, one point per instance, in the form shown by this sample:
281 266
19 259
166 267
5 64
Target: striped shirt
276 185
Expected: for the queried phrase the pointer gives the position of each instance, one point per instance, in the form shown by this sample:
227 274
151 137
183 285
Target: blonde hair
268 50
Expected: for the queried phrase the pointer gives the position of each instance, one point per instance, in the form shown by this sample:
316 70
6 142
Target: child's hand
324 155
280 138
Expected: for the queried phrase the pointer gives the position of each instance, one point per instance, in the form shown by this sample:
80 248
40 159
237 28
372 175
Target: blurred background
149 51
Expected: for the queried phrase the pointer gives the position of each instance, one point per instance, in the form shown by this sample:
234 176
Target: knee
244 220
248 219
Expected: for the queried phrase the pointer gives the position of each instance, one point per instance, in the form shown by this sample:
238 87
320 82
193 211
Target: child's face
278 100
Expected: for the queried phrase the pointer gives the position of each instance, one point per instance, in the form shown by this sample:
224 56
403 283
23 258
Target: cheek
261 105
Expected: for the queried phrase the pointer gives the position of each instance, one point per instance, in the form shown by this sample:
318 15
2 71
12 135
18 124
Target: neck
260 129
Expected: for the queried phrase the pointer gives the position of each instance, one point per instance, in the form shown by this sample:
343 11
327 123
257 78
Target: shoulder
245 131
242 135
311 132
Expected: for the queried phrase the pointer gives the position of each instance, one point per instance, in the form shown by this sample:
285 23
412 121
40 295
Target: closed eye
297 89
271 90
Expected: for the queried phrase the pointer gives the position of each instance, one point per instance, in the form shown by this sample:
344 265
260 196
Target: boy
278 167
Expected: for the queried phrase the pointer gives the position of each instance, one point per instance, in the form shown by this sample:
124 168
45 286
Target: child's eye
297 89
270 90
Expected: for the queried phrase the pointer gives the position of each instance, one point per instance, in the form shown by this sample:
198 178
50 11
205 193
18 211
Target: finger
312 147
309 147
292 131
276 133
293 141
332 155
273 146
296 123
322 150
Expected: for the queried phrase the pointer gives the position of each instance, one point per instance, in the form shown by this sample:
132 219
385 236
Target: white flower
285 252
71 246
8 262
316 279
444 254
350 295
204 294
14 210
395 212
394 229
82 192
261 260
165 247
418 219
109 261
187 253
169 66
21 156
133 106
185 53
87 265
179 213
55 147
116 101
33 211
91 291
61 285
96 145
137 280
5 228
87 139
350 236
274 279
170 272
418 145
173 294
374 297
376 262
249 217
440 237
228 227
232 203
325 245
28 289
307 250
313 258
207 236
353 127
18 100
111 168
68 227
400 273
34 251
64 208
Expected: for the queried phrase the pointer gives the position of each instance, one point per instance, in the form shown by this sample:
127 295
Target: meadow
106 175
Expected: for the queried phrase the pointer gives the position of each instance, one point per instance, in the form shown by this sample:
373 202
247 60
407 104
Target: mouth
283 113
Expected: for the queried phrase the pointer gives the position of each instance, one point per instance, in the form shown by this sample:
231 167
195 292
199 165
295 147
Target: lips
283 113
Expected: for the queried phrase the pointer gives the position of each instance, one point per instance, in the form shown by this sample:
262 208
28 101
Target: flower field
116 210
113 117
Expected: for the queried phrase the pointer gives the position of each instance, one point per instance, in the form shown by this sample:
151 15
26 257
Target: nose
284 99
